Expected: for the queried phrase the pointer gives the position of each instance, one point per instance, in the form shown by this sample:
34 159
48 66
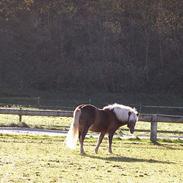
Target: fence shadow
168 146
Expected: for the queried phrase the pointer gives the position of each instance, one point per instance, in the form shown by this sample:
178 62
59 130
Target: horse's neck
111 116
118 121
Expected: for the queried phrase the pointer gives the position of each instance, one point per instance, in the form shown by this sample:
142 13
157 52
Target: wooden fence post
153 136
20 116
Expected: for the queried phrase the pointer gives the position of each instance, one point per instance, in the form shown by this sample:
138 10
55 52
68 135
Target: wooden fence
152 118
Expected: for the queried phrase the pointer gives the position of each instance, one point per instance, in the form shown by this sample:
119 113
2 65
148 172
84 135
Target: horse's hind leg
99 141
81 140
82 135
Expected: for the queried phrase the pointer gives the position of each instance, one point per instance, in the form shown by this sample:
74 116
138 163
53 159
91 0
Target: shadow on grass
118 158
151 145
169 145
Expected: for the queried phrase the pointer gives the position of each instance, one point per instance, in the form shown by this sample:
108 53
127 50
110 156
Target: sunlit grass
45 159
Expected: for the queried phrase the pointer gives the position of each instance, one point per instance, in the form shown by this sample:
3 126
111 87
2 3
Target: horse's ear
129 113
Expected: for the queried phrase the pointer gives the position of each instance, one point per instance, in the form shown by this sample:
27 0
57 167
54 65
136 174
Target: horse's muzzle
131 127
132 130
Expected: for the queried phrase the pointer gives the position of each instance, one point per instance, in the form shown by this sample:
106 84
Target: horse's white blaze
122 111
72 135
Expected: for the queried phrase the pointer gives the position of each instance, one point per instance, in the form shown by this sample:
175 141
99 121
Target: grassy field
45 159
62 123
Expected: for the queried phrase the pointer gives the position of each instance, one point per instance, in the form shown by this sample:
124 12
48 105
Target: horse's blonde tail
72 135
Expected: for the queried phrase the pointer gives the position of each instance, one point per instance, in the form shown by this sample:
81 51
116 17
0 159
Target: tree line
104 45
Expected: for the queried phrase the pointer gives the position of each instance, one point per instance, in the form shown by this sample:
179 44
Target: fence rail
152 118
24 112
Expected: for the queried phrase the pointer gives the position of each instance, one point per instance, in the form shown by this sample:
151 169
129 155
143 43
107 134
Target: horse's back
101 122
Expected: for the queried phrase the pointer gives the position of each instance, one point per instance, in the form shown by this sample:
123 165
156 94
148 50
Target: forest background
131 47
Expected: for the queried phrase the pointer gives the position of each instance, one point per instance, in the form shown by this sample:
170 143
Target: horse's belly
98 127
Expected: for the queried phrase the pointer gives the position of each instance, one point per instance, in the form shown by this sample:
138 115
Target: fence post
153 136
20 116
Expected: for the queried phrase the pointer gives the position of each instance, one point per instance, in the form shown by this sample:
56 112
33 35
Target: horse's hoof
96 151
82 153
110 152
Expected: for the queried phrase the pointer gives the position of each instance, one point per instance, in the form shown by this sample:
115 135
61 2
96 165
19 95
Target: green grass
45 159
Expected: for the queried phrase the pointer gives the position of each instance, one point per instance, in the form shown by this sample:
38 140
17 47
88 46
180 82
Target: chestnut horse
106 120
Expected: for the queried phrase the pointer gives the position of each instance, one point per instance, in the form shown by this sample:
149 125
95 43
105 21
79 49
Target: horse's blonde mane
120 110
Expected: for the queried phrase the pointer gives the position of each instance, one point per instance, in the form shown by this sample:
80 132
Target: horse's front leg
99 141
110 141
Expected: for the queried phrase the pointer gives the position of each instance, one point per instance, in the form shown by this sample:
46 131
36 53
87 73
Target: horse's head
125 114
132 119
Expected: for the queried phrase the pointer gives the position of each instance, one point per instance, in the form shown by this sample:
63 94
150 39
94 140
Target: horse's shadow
118 158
